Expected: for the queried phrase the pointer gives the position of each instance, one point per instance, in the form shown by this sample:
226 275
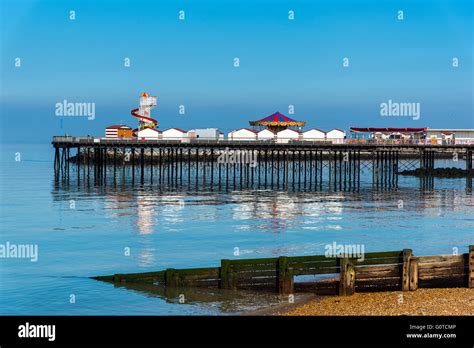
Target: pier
230 164
377 271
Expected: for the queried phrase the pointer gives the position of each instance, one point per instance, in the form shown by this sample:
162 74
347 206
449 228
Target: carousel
277 122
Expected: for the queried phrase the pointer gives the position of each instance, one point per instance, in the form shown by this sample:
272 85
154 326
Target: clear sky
282 62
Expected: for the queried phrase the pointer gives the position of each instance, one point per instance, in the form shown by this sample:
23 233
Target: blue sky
190 62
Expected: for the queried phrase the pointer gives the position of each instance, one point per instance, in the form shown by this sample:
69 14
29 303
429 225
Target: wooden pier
379 271
250 164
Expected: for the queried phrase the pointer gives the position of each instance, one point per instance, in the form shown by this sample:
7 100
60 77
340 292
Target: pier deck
256 163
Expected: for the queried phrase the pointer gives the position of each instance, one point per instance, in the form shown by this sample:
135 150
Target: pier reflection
148 209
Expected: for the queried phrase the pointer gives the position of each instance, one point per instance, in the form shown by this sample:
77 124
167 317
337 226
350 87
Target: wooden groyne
378 271
251 164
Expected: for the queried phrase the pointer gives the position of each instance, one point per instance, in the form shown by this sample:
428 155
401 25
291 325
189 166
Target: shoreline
422 302
283 307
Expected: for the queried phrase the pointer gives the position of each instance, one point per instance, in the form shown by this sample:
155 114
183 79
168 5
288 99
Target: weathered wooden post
285 277
413 274
471 266
171 278
346 277
227 276
407 254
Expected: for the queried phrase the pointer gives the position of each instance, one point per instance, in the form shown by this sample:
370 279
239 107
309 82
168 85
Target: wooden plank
254 267
379 261
471 267
198 277
254 261
413 275
376 285
262 280
314 271
248 275
384 254
205 283
439 258
317 258
285 277
390 273
107 278
224 274
156 276
313 264
377 268
442 272
380 282
347 278
172 278
124 279
198 271
446 264
311 258
407 254
434 270
443 282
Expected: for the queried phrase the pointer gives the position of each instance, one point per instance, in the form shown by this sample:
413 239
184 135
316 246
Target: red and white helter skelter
143 112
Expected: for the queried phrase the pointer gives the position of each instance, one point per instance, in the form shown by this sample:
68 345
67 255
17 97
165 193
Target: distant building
174 133
387 134
450 136
242 134
314 135
118 131
206 134
266 134
287 135
336 136
149 134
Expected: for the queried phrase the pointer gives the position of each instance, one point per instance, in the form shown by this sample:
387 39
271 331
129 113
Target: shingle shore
453 301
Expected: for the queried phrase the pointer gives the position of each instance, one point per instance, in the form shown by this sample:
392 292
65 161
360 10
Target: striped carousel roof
277 119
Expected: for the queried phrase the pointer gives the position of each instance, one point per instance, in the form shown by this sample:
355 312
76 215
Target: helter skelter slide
143 112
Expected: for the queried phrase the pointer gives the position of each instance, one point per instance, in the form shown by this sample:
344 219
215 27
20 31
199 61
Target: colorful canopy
277 120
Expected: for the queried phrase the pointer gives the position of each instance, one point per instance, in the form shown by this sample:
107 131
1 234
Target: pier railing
378 271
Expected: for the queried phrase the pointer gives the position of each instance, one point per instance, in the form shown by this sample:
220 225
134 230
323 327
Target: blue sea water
85 230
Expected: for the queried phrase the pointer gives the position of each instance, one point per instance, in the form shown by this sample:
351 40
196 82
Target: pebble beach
452 301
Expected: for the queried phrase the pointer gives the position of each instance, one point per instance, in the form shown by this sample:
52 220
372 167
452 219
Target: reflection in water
192 226
225 301
152 209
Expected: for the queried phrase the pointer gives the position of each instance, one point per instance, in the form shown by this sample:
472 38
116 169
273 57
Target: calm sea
87 230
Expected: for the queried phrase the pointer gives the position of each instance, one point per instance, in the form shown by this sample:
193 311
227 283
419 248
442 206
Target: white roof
177 129
314 129
149 129
288 129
